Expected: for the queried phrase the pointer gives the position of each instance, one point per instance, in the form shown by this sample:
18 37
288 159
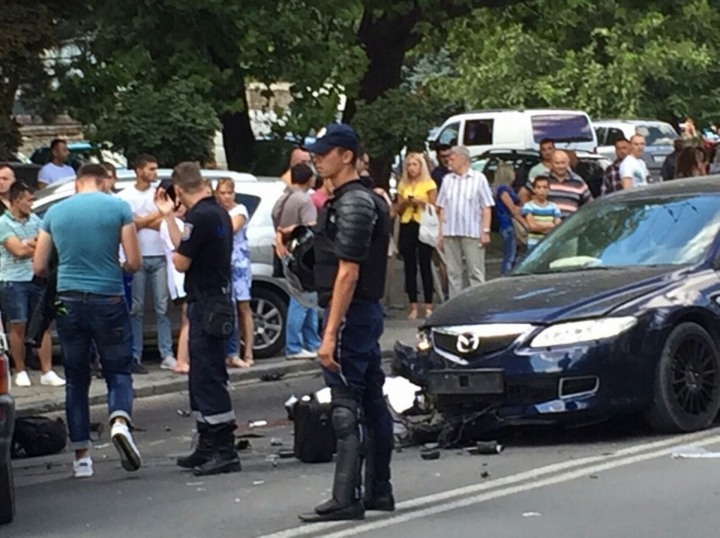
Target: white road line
462 503
314 529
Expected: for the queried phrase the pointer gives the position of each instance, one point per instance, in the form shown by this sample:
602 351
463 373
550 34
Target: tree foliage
608 57
29 29
174 124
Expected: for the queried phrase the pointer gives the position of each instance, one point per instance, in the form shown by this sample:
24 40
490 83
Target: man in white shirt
141 198
464 209
543 168
633 170
56 169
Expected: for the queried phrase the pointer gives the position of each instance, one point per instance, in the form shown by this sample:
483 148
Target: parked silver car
269 295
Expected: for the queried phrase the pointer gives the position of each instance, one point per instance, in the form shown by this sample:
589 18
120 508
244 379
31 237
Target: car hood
553 297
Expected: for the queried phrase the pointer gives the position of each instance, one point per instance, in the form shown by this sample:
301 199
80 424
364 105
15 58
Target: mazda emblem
467 343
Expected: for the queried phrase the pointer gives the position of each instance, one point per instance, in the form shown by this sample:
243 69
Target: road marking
532 474
523 488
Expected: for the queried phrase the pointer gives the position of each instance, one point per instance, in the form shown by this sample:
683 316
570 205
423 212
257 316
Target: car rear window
562 128
661 134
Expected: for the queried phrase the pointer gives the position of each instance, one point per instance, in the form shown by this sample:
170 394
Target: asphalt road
611 480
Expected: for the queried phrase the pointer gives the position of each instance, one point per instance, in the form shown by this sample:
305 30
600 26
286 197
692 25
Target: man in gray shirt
295 208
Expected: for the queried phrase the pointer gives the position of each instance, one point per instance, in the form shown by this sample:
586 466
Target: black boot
345 503
203 449
223 458
374 500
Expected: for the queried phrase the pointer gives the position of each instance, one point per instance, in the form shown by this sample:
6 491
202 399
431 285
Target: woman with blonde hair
241 275
415 191
508 208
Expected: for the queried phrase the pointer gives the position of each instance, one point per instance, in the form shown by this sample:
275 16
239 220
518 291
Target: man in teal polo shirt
21 292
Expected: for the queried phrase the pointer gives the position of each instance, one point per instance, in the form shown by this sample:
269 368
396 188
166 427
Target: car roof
531 111
581 154
603 123
676 187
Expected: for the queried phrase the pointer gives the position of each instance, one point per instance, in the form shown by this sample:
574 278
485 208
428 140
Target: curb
180 383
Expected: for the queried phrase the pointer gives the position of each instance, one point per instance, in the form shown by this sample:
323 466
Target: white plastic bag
429 226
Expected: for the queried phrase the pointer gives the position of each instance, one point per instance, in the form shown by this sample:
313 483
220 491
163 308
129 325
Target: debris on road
258 482
100 447
694 452
429 455
257 424
489 448
273 459
243 444
485 474
286 454
532 514
272 376
183 413
194 484
275 441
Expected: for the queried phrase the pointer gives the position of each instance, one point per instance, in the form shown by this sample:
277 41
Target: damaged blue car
615 311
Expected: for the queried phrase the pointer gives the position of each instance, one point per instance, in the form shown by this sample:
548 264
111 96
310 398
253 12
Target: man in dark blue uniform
203 252
351 244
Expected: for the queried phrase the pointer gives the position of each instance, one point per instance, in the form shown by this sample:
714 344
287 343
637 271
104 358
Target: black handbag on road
314 435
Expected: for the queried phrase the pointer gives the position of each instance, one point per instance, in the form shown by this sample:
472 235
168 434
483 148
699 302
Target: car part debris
286 454
272 376
430 454
489 448
694 452
257 423
243 444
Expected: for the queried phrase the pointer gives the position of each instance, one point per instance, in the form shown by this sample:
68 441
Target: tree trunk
385 40
238 136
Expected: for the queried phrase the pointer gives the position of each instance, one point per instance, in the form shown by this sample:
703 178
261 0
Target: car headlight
576 332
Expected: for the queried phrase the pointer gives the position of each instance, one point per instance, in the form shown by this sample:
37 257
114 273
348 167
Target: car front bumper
525 385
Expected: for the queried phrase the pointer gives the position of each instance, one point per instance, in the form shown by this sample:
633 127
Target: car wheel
687 382
269 310
7 491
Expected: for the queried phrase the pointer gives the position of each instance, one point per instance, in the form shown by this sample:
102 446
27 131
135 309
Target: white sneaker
22 379
52 379
123 441
83 468
168 363
304 354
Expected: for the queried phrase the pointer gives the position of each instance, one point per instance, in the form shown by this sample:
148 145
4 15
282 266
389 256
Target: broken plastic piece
323 396
275 441
257 423
183 413
430 454
489 448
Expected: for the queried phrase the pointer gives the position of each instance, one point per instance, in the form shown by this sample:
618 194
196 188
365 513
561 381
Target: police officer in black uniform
203 252
351 244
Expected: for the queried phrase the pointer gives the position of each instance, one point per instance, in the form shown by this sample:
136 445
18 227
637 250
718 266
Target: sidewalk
38 400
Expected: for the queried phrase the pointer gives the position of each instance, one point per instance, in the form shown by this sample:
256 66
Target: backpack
38 436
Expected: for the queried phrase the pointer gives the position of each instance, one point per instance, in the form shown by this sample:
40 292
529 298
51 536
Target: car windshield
662 231
562 128
657 134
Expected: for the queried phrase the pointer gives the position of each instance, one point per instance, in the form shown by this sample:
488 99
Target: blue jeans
154 268
302 328
509 249
20 300
232 346
361 377
104 321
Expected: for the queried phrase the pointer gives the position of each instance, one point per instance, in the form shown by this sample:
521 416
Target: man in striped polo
567 189
464 208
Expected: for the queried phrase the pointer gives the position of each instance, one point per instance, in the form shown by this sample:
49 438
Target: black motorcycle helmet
302 256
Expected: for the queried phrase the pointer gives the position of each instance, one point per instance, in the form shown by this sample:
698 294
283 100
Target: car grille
449 344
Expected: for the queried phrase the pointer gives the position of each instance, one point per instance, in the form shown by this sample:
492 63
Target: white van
484 130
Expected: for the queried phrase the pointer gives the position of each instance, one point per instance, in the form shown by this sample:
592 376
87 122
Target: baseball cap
335 135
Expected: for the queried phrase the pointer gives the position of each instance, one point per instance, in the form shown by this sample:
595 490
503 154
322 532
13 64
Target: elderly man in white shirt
464 207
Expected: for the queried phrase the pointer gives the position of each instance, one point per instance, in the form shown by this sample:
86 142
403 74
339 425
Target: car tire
7 491
687 382
269 340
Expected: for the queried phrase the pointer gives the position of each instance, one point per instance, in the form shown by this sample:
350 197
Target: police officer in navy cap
351 244
203 252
